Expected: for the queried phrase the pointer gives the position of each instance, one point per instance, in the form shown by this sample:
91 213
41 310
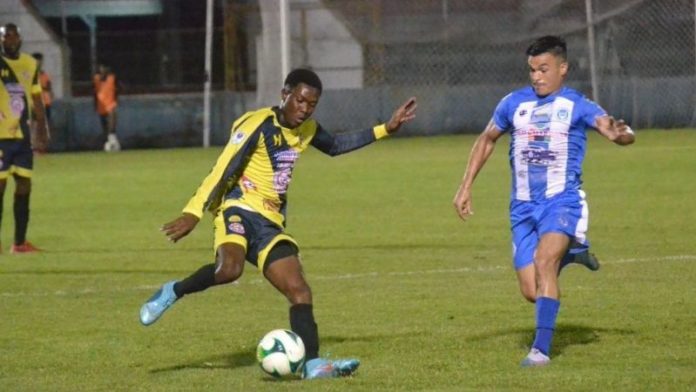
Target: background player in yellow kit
20 105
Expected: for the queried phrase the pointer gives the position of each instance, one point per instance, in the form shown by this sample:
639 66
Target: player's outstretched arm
180 227
343 143
615 130
482 150
404 113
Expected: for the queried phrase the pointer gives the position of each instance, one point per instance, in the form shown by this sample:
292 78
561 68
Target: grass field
427 302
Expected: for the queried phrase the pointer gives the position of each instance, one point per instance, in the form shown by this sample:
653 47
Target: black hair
548 44
7 27
302 75
37 55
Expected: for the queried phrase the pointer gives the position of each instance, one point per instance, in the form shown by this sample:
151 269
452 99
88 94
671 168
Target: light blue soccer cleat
535 358
158 303
346 367
322 368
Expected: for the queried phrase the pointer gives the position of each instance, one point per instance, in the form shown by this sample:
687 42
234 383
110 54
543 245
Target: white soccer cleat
535 358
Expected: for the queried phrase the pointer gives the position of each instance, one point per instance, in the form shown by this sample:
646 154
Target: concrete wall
318 39
322 40
38 37
176 120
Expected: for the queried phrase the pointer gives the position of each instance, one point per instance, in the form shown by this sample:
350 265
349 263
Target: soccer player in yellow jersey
246 192
20 105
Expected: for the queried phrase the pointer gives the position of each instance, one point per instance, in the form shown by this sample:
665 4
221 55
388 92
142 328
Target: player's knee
229 267
23 186
545 265
298 292
529 292
529 295
228 272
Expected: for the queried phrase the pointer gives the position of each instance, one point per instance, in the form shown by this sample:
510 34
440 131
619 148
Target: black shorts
16 157
256 234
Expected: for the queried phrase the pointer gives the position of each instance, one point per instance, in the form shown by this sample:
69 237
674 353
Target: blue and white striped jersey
547 143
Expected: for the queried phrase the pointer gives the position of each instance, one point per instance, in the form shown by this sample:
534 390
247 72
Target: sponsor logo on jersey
17 102
537 156
541 114
286 156
281 180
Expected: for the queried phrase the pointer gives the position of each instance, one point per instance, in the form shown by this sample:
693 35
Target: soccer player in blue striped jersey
548 212
246 192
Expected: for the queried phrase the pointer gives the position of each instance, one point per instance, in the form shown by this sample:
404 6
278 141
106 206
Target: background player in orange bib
105 103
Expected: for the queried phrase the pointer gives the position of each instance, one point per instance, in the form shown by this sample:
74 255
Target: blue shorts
251 230
16 157
565 213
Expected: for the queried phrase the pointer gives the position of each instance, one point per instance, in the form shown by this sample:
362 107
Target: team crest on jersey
238 137
236 228
562 114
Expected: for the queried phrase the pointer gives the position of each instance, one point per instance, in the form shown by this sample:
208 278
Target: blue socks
546 312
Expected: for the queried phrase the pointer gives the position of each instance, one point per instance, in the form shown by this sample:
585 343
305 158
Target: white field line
253 281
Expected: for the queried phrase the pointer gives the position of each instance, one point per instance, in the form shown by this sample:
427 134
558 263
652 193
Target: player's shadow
566 335
222 361
248 357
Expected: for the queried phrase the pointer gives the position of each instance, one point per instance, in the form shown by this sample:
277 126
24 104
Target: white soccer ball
111 146
281 353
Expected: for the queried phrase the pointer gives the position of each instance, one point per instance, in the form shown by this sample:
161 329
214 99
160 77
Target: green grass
426 301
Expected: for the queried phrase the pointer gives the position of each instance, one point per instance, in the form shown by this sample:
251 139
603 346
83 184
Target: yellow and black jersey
20 80
255 168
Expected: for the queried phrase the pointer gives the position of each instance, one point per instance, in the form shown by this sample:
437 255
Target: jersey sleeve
501 115
229 164
345 142
590 110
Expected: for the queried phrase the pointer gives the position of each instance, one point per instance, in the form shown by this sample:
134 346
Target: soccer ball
281 353
111 146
